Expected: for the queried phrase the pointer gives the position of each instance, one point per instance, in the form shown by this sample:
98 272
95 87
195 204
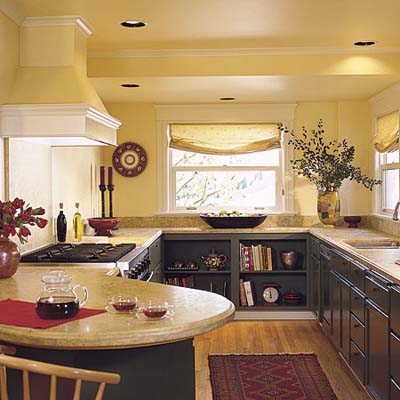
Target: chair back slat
25 384
100 391
3 383
77 391
53 388
54 371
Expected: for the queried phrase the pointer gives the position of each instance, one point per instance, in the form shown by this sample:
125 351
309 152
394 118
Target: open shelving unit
186 248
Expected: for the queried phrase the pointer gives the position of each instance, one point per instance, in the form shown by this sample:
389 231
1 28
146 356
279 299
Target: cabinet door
345 318
336 320
325 295
377 351
315 287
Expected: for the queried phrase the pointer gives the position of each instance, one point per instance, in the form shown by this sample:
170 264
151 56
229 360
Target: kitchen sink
373 244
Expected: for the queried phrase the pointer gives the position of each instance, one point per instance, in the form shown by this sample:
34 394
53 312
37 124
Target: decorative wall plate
129 159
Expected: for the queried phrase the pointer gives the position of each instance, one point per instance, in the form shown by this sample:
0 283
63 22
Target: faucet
396 212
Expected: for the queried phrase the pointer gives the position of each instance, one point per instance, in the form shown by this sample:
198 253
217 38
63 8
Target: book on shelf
225 289
187 281
248 288
255 258
242 293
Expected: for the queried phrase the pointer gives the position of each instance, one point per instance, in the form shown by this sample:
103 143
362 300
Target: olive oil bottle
78 224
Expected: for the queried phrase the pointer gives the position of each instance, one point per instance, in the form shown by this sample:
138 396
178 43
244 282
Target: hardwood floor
275 337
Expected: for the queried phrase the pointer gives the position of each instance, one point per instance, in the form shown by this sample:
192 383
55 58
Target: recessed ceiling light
227 98
364 43
130 85
133 24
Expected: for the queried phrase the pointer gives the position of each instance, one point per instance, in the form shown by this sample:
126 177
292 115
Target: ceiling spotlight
364 43
133 24
227 98
129 85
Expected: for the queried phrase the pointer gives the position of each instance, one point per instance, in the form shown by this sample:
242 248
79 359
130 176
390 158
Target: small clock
271 294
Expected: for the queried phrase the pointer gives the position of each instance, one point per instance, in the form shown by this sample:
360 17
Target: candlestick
102 190
102 175
110 176
110 189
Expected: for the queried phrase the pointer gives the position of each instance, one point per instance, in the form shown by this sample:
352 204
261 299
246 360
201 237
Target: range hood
52 100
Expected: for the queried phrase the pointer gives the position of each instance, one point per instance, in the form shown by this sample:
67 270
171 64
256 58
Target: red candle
110 176
102 175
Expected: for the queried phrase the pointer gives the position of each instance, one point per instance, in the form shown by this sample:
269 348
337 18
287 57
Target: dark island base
163 372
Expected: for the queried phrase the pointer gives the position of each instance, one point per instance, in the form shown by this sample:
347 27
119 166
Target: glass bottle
61 225
78 224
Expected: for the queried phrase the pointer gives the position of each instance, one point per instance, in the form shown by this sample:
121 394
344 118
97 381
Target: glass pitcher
58 299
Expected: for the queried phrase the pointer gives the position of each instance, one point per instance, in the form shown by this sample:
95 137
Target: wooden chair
54 371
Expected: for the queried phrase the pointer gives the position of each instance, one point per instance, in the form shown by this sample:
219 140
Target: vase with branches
326 164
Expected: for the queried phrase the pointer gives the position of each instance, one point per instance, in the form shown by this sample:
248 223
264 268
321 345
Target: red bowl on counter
103 226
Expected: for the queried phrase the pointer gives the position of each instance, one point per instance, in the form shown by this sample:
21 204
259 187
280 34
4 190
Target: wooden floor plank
251 337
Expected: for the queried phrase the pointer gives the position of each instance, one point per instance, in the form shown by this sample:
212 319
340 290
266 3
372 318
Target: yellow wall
135 196
9 41
138 196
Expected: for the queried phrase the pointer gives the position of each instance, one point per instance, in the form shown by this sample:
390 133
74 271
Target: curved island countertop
196 312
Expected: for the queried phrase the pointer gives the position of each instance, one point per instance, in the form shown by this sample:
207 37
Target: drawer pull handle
356 353
375 289
356 271
356 298
356 325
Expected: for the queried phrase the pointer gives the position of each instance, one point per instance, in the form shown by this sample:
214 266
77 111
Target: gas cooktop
79 253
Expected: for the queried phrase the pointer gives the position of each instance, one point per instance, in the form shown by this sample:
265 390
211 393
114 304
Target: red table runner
22 313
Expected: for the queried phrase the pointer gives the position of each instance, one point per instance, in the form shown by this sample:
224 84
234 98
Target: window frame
251 113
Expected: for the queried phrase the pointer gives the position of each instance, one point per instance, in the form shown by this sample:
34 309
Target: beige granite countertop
196 312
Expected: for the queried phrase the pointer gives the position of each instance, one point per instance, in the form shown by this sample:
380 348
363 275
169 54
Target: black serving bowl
245 221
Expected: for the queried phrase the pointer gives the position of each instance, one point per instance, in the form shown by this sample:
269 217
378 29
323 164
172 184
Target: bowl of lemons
234 219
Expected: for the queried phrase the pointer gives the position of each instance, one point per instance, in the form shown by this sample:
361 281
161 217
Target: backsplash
384 225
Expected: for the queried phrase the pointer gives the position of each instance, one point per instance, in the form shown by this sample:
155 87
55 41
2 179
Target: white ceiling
234 24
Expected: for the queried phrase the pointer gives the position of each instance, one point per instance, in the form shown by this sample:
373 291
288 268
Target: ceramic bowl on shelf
103 226
234 221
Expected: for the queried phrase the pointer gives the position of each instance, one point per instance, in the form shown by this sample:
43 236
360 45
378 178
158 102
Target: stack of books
247 295
187 281
255 258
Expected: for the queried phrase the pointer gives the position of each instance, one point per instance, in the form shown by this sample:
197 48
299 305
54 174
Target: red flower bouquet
14 216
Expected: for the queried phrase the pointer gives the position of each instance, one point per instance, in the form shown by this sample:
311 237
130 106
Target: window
388 161
213 182
236 174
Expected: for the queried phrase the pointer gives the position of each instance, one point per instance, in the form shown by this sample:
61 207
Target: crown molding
64 20
9 8
240 52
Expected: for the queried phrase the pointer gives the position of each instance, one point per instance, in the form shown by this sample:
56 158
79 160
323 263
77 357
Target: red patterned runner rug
268 377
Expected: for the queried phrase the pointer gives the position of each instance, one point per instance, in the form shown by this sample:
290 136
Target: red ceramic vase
9 257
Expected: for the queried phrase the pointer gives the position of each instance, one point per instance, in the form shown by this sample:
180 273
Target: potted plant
14 216
326 165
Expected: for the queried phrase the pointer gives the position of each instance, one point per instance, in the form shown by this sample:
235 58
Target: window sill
386 217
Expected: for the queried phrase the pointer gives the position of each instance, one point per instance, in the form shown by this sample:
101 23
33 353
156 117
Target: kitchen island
155 358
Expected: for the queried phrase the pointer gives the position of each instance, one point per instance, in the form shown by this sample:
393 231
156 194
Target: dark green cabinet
325 291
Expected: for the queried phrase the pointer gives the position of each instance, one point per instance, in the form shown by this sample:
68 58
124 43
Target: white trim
58 121
62 20
220 113
274 315
240 52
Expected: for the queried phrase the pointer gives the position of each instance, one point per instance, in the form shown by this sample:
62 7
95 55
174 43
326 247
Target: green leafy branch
326 165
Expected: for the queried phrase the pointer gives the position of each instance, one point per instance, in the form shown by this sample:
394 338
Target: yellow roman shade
387 132
224 138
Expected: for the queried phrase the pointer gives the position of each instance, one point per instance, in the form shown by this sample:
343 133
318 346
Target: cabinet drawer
357 304
394 390
315 248
341 264
357 361
395 309
357 332
377 291
357 275
395 357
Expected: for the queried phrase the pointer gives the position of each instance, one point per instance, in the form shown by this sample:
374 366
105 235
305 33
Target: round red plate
129 159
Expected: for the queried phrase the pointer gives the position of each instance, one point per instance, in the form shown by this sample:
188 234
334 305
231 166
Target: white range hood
52 101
